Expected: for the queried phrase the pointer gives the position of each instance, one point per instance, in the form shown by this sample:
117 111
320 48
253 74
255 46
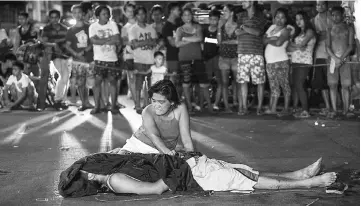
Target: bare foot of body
323 180
309 171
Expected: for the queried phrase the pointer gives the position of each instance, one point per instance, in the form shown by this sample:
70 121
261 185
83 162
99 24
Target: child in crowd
158 71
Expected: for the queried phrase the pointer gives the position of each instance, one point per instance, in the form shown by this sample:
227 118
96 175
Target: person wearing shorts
250 54
188 40
143 39
168 31
339 44
78 45
321 23
128 51
104 35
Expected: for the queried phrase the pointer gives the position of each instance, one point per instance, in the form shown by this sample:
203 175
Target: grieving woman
165 122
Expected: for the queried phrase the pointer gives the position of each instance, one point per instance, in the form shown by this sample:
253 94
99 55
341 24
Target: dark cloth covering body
174 171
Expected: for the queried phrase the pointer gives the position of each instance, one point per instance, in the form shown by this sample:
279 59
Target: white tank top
275 54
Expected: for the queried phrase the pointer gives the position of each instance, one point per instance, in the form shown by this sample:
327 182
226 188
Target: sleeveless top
303 57
275 54
168 130
191 51
27 35
227 50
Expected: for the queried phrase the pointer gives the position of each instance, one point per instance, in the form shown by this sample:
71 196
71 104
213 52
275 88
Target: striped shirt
248 43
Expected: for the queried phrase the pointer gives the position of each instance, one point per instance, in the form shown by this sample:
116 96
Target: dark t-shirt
210 49
79 38
167 31
54 34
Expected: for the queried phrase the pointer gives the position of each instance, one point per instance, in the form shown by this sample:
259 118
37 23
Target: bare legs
303 178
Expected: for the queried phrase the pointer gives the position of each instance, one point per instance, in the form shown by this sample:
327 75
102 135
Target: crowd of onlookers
243 53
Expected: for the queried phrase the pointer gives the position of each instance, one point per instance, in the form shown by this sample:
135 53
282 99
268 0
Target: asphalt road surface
36 147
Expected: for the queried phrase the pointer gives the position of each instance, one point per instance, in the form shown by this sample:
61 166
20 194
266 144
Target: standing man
104 35
143 39
250 54
339 44
54 36
321 22
78 45
128 51
168 33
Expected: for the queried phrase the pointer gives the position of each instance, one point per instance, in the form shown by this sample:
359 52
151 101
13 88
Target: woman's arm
285 36
197 38
98 41
184 128
178 40
152 131
309 35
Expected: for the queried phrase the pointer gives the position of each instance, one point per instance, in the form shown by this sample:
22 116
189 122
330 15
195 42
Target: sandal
215 107
303 114
259 113
243 113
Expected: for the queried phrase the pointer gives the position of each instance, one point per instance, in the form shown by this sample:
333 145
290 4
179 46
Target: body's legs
272 183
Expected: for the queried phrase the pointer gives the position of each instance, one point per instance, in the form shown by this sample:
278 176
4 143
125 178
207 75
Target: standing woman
104 35
227 39
301 48
278 65
188 40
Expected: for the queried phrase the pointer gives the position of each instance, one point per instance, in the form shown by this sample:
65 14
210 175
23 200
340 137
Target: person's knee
345 86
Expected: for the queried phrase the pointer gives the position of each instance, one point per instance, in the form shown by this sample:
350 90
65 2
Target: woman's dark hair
100 8
86 6
140 8
54 11
187 9
285 12
167 89
19 64
156 8
308 24
24 14
233 9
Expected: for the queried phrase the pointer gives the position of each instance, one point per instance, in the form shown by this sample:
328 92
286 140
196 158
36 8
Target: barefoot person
339 44
165 122
210 174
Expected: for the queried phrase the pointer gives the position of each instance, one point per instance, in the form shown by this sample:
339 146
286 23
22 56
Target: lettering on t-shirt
145 37
82 39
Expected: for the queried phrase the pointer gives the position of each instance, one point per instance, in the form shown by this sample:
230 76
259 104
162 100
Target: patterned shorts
251 66
81 69
106 69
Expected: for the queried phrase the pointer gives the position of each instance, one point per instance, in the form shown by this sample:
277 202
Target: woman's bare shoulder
181 109
147 111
